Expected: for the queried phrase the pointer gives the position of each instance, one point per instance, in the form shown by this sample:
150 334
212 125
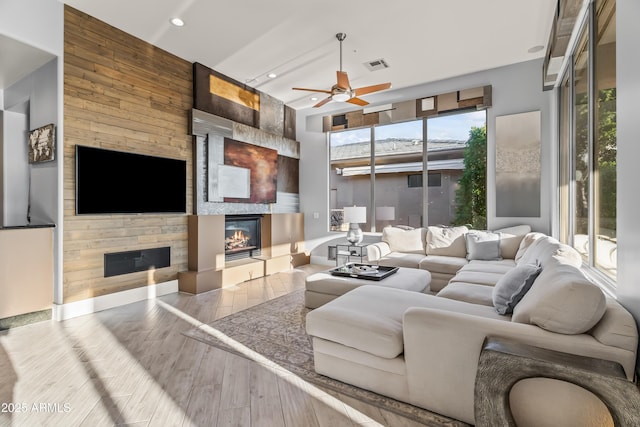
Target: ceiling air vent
376 64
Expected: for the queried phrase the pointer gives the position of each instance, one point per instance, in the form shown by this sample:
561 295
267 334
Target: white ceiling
421 40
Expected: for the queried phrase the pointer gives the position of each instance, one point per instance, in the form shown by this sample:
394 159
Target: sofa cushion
400 240
512 287
510 239
468 292
365 319
442 264
617 327
546 250
400 259
498 266
482 245
561 300
485 278
527 241
447 241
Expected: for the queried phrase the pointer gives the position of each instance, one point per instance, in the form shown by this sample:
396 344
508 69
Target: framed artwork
261 165
42 144
518 165
234 182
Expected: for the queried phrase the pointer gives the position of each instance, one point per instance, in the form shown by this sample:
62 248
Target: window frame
567 171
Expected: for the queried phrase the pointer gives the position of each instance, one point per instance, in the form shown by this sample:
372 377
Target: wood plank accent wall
123 94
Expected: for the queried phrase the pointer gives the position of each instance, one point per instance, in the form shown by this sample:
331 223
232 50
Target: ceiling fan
342 91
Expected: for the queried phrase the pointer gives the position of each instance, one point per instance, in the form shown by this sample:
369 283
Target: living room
88 89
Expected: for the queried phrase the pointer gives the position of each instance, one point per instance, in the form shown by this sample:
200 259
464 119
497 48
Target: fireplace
242 236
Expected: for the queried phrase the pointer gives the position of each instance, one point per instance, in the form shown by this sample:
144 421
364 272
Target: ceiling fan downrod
341 37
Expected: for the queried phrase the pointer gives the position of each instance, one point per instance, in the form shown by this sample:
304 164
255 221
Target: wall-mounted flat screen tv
116 182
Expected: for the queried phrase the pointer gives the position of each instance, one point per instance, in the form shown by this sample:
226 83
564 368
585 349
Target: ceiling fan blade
343 80
357 101
312 90
321 103
369 89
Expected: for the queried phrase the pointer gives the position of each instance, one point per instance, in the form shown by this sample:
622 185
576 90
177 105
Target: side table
348 251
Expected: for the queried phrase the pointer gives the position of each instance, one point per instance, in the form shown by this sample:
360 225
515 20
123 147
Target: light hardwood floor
133 366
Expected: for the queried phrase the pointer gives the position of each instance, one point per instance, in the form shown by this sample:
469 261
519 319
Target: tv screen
115 182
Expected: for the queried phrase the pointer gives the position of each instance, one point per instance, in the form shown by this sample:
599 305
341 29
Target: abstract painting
263 165
518 165
42 144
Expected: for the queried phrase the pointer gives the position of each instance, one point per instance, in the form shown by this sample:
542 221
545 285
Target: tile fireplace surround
282 246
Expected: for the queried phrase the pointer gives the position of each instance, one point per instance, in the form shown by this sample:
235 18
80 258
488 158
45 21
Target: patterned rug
275 330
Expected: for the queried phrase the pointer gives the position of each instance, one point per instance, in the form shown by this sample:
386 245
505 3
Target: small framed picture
42 144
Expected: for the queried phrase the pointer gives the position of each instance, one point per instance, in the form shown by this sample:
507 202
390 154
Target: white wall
40 23
35 22
516 88
15 171
628 173
38 91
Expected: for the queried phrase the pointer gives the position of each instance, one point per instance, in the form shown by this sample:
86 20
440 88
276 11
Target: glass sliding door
588 144
605 147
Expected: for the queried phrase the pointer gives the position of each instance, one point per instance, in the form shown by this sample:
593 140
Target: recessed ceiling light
177 22
314 98
272 75
535 49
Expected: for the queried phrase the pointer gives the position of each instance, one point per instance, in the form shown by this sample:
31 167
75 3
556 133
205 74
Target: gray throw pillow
511 287
483 245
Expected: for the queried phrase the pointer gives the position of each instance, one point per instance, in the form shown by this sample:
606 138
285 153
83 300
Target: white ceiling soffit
420 40
18 60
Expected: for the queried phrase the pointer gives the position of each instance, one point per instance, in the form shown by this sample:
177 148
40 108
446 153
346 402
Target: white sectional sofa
424 349
440 250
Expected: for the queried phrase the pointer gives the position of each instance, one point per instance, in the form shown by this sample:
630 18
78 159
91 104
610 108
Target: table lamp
355 215
385 214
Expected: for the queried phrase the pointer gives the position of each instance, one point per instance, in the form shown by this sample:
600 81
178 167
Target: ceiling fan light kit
342 91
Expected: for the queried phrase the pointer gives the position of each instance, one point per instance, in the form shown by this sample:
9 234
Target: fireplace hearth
242 236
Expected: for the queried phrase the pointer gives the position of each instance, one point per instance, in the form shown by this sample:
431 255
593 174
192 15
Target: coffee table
322 287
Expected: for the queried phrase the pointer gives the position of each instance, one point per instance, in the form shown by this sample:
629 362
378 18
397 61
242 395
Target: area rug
275 330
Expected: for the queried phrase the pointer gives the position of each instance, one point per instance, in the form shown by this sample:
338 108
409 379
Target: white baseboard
104 302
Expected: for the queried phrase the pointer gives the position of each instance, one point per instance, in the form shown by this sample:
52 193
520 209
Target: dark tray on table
378 272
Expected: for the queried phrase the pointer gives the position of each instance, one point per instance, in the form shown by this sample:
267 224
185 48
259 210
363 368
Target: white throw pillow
526 242
513 286
561 300
483 245
447 241
400 240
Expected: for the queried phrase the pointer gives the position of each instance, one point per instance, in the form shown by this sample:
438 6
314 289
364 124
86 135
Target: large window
349 181
398 154
457 147
587 174
398 192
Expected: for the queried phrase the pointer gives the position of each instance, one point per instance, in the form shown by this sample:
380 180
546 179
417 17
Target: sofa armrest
442 349
377 250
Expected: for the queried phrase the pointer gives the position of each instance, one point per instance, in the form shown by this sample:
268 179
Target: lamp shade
355 214
385 213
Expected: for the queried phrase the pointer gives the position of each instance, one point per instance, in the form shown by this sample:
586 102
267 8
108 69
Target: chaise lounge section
424 349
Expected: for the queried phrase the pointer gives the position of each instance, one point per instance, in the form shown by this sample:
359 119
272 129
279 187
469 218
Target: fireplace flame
237 240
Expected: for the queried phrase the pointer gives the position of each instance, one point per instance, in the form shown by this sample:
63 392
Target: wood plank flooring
131 365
